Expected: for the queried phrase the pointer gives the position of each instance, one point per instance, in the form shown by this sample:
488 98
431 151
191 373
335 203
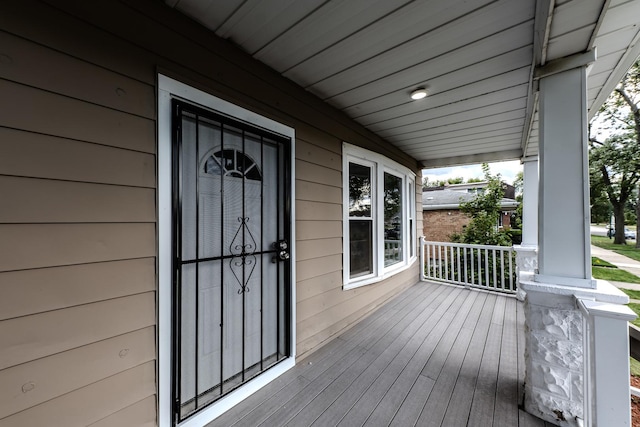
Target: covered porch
90 318
435 355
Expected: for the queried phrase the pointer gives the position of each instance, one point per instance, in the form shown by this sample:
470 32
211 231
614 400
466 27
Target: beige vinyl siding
91 403
78 219
140 414
78 246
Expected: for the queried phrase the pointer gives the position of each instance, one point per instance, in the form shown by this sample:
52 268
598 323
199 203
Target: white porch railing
481 266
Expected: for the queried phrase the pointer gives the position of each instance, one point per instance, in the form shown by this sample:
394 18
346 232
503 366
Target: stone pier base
554 359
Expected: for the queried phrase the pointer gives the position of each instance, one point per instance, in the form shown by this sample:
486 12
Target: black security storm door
231 299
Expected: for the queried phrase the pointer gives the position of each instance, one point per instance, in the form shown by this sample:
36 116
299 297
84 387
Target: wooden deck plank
335 400
363 408
435 409
435 355
482 407
398 401
459 404
292 401
315 364
408 413
391 348
436 298
437 360
506 407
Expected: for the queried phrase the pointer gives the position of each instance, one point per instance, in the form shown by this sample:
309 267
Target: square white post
530 203
564 255
577 342
608 364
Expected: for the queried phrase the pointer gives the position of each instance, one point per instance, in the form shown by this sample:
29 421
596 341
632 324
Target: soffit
475 58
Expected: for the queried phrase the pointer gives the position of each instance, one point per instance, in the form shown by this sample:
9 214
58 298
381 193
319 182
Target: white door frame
168 89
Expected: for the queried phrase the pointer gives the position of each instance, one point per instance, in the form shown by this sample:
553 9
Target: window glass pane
359 190
360 247
392 219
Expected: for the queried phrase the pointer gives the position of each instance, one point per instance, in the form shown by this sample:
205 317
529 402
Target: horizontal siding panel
25 246
309 230
316 211
322 302
53 376
43 156
315 192
31 337
114 53
41 200
91 403
74 78
27 292
318 267
34 110
306 289
311 172
140 414
310 249
317 155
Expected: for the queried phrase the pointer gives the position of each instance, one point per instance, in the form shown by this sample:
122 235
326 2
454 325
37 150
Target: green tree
484 210
614 164
442 182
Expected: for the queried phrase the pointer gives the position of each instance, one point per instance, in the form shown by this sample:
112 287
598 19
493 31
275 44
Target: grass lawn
597 262
626 250
635 307
603 270
615 274
635 366
633 294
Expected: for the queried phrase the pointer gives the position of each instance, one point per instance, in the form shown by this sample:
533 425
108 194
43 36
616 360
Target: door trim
169 89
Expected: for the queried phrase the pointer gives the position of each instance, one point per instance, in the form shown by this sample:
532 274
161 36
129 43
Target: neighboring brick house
441 209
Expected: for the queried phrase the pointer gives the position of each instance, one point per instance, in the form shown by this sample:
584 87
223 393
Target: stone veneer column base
555 349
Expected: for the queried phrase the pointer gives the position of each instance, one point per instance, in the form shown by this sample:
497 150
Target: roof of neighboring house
450 199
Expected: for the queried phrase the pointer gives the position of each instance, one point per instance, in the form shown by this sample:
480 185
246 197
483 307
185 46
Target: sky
507 170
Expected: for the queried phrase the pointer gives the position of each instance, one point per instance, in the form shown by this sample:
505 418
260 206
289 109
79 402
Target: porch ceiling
476 59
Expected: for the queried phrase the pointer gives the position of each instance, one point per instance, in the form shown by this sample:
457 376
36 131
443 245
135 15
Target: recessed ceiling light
419 93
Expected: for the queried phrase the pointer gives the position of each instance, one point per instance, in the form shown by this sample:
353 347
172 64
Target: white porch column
527 251
530 203
561 382
563 208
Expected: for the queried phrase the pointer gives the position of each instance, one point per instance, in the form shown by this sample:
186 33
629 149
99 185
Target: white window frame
169 89
379 164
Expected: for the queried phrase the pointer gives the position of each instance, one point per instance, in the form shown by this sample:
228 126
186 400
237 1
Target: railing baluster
473 271
464 263
495 272
458 261
511 269
454 267
486 268
439 262
479 267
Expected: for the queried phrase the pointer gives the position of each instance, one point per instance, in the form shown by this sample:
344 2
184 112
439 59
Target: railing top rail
468 245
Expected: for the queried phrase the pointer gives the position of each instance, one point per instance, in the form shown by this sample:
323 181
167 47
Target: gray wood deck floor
435 355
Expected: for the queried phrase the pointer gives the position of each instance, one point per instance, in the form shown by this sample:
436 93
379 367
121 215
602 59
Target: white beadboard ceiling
475 57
